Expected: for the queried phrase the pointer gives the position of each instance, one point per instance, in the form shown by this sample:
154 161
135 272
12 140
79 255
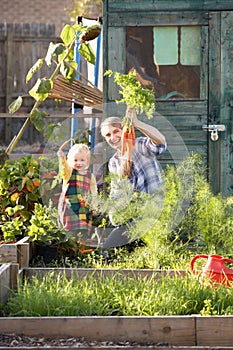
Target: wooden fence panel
21 45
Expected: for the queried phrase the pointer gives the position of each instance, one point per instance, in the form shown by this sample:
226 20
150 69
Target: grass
55 295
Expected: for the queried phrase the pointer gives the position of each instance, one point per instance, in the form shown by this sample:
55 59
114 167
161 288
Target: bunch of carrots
128 138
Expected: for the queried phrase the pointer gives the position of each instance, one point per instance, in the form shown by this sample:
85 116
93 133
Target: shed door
220 100
182 61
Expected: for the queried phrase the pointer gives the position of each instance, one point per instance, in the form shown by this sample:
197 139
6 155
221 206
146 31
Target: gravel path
20 341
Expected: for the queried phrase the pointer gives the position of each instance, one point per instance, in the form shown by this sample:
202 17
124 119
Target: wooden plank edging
178 330
195 330
213 330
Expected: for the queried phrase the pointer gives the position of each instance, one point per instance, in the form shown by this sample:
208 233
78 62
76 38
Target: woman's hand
132 115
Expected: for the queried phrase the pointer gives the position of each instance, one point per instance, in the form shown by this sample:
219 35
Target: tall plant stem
16 138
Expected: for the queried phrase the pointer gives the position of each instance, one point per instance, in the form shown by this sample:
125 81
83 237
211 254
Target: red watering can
215 269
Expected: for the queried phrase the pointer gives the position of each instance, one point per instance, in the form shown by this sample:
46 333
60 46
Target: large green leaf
68 34
35 68
41 89
15 105
54 49
69 57
67 71
37 118
86 51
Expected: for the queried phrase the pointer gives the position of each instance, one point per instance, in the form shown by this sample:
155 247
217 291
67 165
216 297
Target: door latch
214 129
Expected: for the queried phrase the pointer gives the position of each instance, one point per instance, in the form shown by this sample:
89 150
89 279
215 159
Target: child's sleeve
64 168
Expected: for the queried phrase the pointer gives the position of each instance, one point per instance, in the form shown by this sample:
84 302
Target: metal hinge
214 129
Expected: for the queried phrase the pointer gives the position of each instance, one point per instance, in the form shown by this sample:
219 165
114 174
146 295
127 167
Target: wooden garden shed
184 50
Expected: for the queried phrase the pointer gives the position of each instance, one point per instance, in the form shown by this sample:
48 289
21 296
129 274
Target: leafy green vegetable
133 93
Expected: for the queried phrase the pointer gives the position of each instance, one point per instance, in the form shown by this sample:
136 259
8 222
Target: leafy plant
3 157
44 228
133 93
62 56
212 217
50 180
19 190
24 182
189 220
13 228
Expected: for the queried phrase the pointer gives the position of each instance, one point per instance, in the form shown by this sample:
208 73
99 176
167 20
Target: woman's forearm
150 131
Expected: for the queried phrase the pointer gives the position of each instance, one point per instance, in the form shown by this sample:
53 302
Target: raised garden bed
9 274
18 252
189 332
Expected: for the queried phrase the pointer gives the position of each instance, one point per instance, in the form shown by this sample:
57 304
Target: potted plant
49 239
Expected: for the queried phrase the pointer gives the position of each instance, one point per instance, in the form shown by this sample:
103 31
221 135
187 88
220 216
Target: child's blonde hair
78 147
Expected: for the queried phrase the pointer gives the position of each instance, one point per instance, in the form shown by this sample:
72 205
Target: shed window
177 44
190 42
165 45
166 57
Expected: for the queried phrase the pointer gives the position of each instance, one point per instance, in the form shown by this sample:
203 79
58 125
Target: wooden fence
21 45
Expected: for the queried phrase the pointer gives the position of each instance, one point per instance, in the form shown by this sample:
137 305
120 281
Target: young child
74 212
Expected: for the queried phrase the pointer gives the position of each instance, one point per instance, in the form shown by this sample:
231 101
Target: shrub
22 184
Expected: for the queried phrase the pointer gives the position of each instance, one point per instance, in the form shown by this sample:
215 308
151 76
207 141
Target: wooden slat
8 253
28 30
173 330
8 280
189 107
53 115
9 82
204 63
4 282
154 18
215 67
15 252
167 5
23 252
116 58
214 331
226 163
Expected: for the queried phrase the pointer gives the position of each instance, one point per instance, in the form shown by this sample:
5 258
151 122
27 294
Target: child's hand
60 153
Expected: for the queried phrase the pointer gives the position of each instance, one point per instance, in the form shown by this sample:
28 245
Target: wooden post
9 82
8 280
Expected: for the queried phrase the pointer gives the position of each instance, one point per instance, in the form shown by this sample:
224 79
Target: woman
144 172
